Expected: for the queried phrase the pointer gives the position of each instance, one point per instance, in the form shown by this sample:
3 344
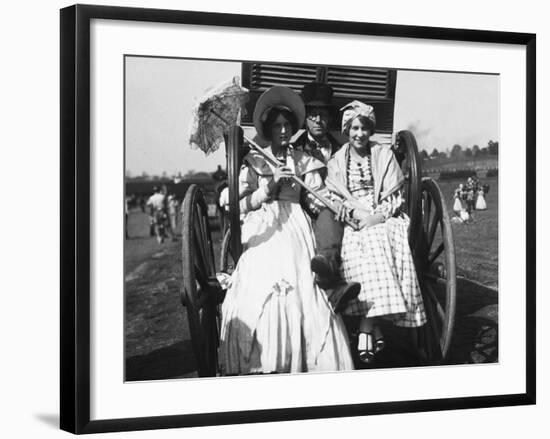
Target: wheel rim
437 270
201 290
409 160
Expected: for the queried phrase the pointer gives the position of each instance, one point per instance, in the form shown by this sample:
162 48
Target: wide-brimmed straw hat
282 98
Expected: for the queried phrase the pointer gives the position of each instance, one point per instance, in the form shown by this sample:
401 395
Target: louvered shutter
264 76
361 83
370 85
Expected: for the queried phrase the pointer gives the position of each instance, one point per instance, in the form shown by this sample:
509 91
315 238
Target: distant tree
145 175
164 175
493 147
190 173
467 152
475 150
442 155
456 151
434 154
424 155
484 152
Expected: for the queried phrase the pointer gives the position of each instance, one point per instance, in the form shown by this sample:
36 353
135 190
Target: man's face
317 121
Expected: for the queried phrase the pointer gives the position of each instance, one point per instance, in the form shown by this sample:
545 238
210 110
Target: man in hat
317 141
320 112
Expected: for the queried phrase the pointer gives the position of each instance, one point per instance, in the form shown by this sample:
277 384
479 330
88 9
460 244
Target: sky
440 108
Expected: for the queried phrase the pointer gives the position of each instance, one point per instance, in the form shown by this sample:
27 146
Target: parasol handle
271 158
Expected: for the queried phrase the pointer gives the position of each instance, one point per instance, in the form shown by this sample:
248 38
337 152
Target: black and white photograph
285 218
273 218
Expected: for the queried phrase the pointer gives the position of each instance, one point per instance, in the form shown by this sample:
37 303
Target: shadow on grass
474 338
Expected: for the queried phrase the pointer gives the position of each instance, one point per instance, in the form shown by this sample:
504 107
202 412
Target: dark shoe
326 272
342 293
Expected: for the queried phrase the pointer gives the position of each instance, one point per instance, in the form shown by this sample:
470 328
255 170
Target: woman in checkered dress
378 254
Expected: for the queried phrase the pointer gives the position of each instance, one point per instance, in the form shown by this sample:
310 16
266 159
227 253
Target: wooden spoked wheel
409 160
201 293
436 268
234 160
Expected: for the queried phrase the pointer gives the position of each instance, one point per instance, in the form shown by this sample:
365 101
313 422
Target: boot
342 293
327 277
326 273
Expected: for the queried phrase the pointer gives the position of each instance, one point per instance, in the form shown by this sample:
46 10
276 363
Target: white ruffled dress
274 317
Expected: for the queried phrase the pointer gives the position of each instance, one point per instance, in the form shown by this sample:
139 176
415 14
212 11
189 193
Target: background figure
173 208
470 206
164 217
457 204
158 214
480 202
150 204
476 186
219 174
464 216
470 195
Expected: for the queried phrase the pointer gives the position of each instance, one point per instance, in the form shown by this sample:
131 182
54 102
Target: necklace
362 172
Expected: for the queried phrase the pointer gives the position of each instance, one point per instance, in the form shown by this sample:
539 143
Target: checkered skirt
380 259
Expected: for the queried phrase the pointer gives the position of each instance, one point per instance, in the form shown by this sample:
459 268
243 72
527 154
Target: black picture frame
75 217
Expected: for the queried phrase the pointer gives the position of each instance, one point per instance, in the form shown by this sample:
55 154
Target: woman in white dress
274 317
458 206
480 202
378 254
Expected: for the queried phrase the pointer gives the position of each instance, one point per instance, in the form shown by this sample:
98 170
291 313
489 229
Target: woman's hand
365 219
343 212
280 175
353 203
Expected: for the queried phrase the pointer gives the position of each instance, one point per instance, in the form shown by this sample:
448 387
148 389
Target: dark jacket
303 143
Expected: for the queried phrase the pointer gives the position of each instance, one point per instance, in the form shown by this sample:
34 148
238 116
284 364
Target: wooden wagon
430 232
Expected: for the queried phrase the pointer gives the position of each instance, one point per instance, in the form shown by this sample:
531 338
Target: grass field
157 340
